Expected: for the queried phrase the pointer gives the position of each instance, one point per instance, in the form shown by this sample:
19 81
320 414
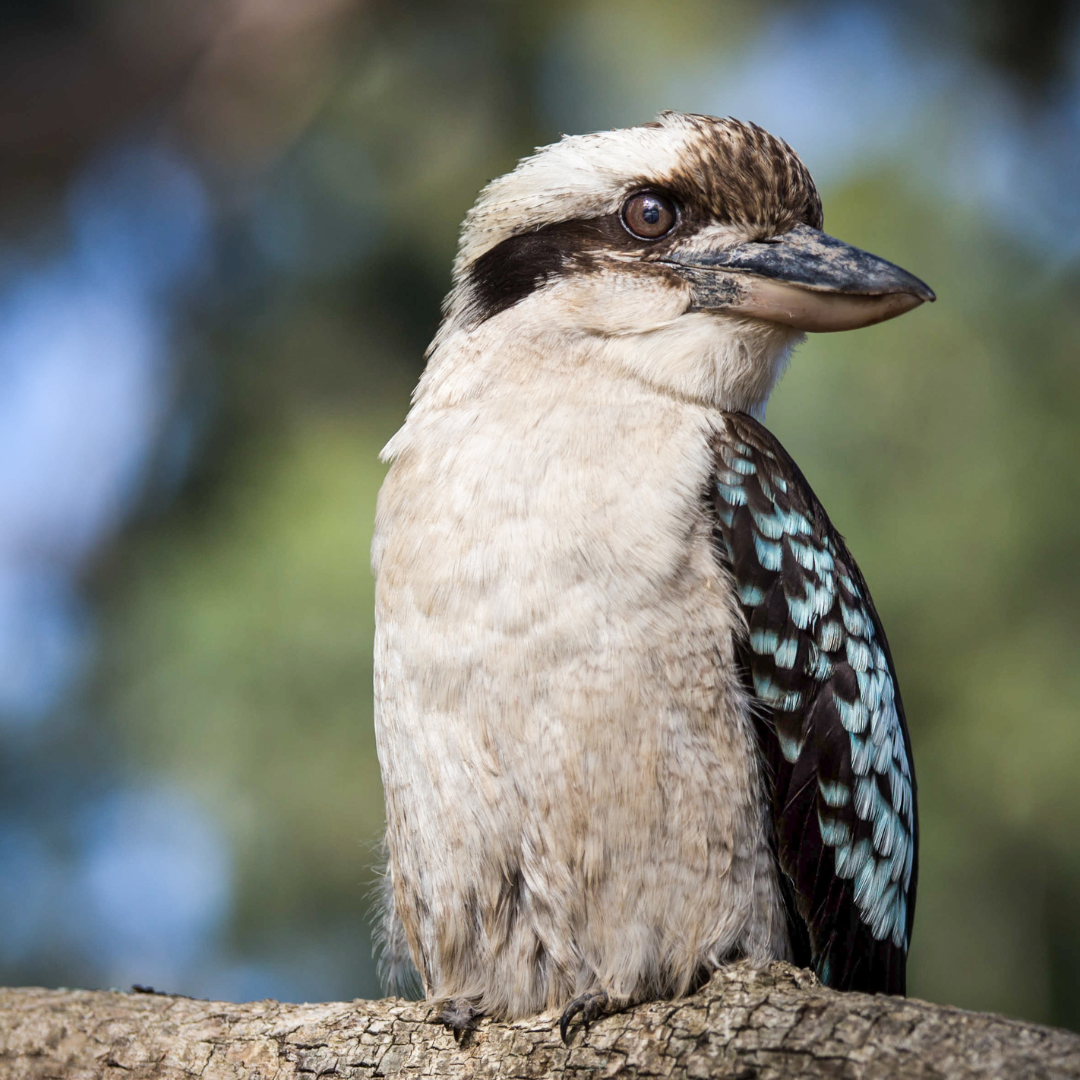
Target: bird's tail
397 973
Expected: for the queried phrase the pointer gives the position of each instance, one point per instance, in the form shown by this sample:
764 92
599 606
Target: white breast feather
572 790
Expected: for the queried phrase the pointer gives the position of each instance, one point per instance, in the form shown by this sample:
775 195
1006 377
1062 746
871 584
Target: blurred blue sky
85 379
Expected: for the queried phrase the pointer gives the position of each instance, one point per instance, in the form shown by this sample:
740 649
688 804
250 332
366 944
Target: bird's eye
648 215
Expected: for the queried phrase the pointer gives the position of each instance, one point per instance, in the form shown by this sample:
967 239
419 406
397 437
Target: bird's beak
803 278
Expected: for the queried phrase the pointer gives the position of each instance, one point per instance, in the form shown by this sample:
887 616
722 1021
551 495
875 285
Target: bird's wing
831 725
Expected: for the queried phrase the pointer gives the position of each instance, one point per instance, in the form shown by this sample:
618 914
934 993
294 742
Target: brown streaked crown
736 173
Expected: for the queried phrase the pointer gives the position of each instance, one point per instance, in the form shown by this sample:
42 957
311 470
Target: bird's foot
591 1006
459 1015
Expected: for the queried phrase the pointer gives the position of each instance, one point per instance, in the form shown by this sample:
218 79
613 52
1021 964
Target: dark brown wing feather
831 724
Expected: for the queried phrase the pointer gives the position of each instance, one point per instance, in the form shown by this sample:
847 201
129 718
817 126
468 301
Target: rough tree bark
747 1024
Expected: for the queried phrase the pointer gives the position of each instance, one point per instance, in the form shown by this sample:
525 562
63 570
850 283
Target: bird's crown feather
721 170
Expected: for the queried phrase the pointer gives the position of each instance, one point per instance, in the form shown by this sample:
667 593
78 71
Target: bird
635 710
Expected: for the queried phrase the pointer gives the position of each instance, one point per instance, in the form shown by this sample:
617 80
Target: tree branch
761 1024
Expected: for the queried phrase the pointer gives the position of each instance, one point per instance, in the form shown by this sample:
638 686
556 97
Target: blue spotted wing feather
831 724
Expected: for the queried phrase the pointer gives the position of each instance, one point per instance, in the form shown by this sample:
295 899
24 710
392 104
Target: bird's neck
705 359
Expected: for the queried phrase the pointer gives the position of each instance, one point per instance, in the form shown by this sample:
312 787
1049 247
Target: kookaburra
635 710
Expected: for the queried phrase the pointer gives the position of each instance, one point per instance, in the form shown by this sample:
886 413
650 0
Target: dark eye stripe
519 265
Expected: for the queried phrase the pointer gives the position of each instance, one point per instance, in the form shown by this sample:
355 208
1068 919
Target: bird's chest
546 573
557 701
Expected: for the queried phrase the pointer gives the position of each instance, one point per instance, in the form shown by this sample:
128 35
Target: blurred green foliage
244 669
236 657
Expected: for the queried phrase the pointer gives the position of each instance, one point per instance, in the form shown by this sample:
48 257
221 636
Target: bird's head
689 250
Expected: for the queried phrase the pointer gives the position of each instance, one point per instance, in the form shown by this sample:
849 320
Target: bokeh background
225 230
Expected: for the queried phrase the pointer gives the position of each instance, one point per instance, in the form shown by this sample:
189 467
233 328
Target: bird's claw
458 1015
591 1005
